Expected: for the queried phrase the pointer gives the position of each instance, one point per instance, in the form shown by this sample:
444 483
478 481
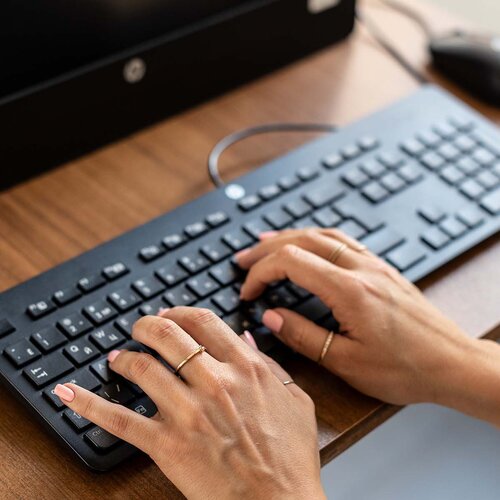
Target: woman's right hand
395 345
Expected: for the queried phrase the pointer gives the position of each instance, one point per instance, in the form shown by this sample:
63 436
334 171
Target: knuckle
255 368
162 329
202 317
288 251
139 365
119 424
88 408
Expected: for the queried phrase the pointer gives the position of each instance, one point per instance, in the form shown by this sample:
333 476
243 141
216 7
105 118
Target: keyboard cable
374 30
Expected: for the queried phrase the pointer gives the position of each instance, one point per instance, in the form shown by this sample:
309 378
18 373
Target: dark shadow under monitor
55 121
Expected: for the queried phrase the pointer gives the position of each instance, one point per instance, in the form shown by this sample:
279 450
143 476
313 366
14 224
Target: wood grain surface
86 202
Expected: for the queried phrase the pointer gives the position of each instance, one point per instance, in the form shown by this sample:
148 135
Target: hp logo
134 70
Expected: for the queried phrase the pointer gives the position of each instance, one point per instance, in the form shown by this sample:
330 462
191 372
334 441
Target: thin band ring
334 256
288 382
326 347
198 350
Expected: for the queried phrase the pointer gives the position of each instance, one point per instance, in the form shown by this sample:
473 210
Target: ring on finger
288 382
337 252
326 347
188 358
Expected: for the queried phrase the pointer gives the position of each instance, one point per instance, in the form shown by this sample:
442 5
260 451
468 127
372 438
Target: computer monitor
76 75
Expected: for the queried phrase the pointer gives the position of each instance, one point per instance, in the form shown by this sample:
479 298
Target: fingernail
163 310
65 393
250 339
272 320
268 234
242 291
242 254
113 355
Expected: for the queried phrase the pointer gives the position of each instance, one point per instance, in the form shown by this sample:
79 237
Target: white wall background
485 13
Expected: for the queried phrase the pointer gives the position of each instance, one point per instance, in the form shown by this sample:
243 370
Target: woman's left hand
229 428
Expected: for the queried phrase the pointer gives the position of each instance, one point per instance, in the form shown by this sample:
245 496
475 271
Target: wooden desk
86 202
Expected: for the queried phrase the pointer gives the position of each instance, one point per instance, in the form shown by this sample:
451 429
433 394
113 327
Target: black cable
377 35
240 135
412 14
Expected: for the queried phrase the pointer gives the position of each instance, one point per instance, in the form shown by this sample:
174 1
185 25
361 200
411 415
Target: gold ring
334 256
198 350
288 382
326 346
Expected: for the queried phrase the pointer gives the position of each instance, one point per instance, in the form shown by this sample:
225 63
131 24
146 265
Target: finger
350 242
329 282
311 240
126 424
305 337
174 345
150 375
279 372
207 329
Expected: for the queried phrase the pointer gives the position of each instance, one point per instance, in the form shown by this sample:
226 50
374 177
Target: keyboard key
384 240
225 273
452 175
117 392
227 300
288 182
313 309
375 192
465 143
82 378
256 227
352 229
355 177
429 139
107 338
333 161
237 240
353 208
151 308
48 339
202 285
173 241
471 216
432 161
249 203
151 252
297 208
368 143
281 297
392 182
91 283
496 169
297 290
197 229
124 299
491 202
51 367
148 287
468 165
483 156
217 219
413 147
194 263
216 251
472 189
179 296
101 440
445 130
103 371
435 238
308 173
126 323
350 152
22 353
406 256
208 304
76 420
171 275
373 168
100 312
487 179
462 123
453 227
239 323
449 152
305 223
81 352
6 327
115 271
144 407
326 217
74 325
391 159
40 308
431 213
269 192
278 219
66 296
323 195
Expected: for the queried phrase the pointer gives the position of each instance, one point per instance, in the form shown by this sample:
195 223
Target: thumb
304 336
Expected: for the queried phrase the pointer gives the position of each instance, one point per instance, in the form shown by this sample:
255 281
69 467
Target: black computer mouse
473 61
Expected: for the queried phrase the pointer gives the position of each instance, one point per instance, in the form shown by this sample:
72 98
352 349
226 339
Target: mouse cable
411 13
240 135
376 33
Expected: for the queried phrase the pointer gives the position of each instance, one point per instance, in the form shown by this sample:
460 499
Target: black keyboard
418 183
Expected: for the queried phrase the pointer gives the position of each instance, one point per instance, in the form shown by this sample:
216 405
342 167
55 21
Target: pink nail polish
162 310
113 355
250 339
272 320
65 393
268 234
